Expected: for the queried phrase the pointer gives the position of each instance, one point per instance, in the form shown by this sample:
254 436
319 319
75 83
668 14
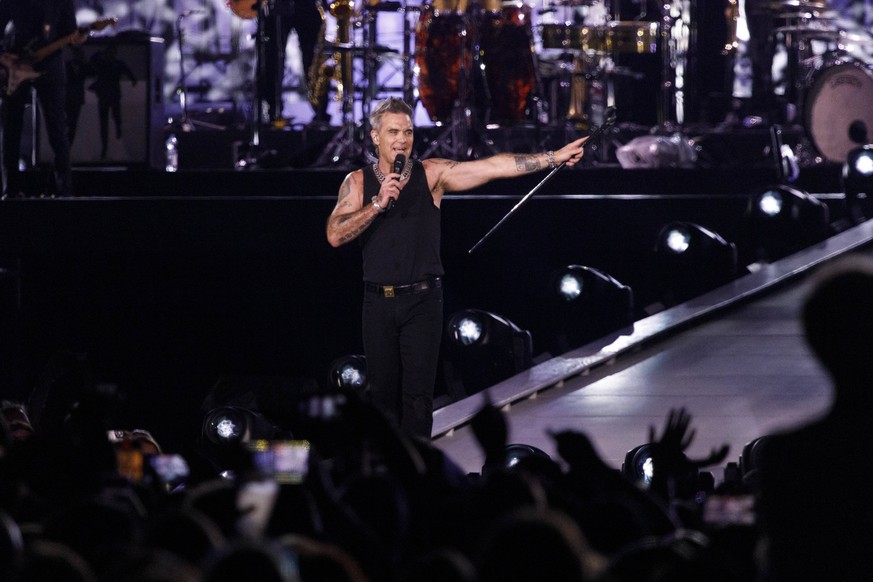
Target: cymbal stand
669 114
250 157
408 90
344 149
186 123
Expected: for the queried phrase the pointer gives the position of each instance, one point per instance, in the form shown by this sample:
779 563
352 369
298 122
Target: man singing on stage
393 208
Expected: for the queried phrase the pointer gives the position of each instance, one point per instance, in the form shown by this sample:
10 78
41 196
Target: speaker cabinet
112 79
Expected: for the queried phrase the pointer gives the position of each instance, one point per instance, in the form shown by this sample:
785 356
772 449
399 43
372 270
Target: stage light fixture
516 453
584 304
482 349
231 425
858 183
691 260
638 466
349 373
783 220
750 459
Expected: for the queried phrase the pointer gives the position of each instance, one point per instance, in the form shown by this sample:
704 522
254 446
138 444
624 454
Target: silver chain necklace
407 169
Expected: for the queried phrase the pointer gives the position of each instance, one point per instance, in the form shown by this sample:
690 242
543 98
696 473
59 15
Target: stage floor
735 358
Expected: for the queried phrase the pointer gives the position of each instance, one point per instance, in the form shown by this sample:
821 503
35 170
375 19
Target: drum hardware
797 40
373 53
668 116
837 103
345 148
186 123
250 157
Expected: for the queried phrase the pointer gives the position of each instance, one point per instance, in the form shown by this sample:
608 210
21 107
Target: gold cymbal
789 6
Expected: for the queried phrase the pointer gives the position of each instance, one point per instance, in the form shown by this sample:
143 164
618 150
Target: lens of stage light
864 163
351 376
647 470
570 287
226 426
468 331
678 240
770 203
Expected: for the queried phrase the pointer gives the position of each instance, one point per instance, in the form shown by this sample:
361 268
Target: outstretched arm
451 176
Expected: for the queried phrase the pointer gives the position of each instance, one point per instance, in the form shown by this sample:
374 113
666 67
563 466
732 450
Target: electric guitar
19 68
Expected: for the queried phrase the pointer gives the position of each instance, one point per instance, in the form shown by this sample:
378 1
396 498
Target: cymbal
811 31
789 5
341 47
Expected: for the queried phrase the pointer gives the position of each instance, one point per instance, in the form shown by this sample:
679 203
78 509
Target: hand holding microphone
399 162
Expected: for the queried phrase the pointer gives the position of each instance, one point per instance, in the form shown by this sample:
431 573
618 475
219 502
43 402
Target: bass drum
441 46
507 53
839 106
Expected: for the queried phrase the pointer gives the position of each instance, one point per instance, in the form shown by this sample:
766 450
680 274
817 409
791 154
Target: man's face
394 136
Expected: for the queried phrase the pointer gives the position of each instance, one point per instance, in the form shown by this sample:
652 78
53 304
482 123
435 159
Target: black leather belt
392 290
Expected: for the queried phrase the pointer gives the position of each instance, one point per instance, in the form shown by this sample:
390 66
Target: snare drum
507 53
839 98
441 46
631 37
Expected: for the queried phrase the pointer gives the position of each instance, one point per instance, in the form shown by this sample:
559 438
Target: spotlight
691 260
481 350
518 453
638 465
584 304
230 425
783 220
349 373
858 183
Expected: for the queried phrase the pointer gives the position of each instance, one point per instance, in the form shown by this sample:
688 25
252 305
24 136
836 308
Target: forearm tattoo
354 233
527 163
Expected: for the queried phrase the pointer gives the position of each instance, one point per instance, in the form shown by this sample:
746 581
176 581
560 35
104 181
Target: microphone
399 162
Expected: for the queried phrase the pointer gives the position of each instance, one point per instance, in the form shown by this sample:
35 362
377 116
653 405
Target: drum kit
487 63
827 85
478 64
484 56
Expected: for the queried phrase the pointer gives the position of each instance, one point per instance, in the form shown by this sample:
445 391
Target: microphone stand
609 120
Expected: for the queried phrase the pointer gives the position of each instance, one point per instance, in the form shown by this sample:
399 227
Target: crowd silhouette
83 501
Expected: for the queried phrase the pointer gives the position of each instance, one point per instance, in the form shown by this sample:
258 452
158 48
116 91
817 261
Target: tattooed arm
350 216
450 176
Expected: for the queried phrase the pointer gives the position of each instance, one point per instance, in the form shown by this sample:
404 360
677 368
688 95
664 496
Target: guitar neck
48 49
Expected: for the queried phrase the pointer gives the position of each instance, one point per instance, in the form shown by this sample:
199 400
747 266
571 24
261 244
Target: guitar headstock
102 23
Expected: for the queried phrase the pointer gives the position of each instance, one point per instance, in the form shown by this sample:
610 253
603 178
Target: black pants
402 337
51 92
303 17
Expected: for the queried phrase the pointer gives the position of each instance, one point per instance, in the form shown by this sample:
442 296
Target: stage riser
167 295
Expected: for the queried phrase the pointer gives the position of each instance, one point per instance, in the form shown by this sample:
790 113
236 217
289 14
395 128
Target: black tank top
402 245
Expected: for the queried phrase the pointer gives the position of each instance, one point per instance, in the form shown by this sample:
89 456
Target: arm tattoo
526 163
345 188
354 234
